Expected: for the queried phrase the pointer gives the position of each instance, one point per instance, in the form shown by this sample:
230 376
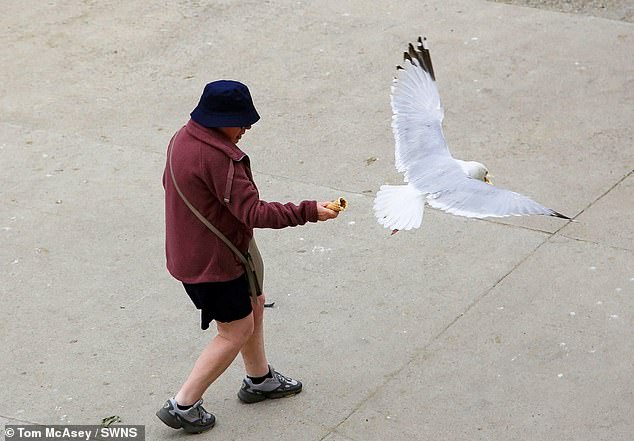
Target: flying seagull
432 175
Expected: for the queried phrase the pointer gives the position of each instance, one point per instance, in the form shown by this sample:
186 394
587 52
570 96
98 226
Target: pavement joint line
521 227
287 178
583 210
335 432
483 295
19 420
417 353
16 186
35 210
614 247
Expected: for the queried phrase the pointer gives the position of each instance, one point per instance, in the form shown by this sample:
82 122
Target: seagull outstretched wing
421 152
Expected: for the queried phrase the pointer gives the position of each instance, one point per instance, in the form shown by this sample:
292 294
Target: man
215 176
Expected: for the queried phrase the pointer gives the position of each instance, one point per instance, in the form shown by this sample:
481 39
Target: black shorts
221 301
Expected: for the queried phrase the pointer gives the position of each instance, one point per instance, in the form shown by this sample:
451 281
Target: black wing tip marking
421 54
559 215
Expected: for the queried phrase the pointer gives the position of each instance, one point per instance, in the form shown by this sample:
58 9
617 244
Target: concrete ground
612 9
463 330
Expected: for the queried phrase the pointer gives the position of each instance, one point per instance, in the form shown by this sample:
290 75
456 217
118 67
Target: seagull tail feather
399 207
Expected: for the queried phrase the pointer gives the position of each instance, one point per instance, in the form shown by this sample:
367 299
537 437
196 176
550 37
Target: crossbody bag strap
200 217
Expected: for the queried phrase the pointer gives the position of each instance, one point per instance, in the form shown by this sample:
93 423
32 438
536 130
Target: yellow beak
487 180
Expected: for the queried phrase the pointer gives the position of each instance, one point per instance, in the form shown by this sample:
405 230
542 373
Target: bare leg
253 354
216 358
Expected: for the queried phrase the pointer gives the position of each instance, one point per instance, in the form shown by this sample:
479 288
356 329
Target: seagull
431 174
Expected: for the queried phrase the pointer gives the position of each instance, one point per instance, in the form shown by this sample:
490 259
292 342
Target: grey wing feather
462 195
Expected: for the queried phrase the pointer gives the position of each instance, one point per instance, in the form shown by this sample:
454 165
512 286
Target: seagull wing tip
561 216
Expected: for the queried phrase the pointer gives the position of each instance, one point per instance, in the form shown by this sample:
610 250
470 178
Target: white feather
399 207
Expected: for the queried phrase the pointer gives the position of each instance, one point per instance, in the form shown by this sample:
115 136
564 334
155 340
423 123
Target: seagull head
476 170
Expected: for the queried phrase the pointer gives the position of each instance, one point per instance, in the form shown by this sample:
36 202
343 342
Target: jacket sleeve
246 206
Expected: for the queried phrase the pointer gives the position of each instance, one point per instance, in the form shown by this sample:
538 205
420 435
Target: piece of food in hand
338 204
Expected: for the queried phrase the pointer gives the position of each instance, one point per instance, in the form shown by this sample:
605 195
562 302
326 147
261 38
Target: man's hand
324 213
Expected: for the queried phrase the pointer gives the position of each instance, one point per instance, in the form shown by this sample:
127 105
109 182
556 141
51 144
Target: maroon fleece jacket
200 158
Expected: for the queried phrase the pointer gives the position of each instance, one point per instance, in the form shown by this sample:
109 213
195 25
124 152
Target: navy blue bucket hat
225 103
